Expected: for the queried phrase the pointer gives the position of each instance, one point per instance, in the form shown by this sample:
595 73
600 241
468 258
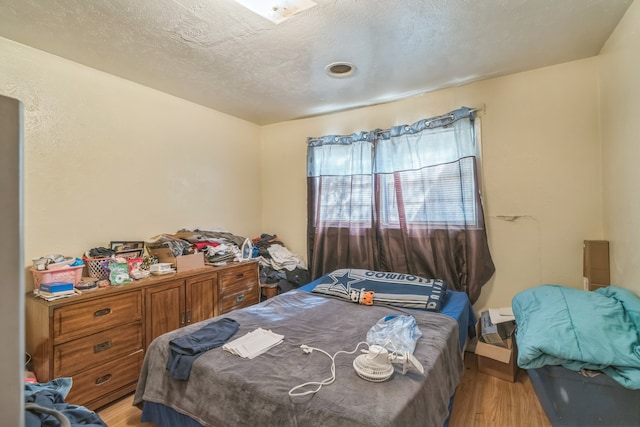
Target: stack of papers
253 344
53 297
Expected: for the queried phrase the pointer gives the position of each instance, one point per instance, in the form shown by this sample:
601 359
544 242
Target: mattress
456 306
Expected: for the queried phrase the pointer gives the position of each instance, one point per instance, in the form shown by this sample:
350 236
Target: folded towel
253 344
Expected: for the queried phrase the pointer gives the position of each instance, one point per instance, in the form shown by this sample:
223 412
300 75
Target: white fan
376 363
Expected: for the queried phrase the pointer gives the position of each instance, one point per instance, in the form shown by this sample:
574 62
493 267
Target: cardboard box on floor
500 362
181 263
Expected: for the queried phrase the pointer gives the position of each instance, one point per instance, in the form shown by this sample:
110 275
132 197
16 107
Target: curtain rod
442 120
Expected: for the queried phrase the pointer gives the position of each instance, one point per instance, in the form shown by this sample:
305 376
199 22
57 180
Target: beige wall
107 159
620 109
541 160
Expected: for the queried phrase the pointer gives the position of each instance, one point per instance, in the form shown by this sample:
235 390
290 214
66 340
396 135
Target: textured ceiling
219 54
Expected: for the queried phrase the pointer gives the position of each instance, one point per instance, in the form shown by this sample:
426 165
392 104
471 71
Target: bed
226 390
582 353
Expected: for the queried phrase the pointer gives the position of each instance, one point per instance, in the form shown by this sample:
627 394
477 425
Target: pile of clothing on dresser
217 245
278 265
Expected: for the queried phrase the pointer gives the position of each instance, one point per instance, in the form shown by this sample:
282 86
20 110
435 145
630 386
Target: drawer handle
240 298
102 346
103 379
103 312
240 276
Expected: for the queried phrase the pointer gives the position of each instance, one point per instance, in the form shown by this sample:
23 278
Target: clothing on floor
45 406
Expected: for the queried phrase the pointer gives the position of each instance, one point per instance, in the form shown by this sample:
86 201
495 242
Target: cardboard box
490 333
495 334
190 262
595 264
181 263
500 362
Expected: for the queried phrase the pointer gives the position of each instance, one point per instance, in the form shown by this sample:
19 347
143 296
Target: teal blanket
577 329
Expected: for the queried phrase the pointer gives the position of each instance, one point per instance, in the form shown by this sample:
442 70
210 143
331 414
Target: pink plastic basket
71 274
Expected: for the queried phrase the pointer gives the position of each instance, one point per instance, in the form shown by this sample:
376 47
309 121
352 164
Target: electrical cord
308 350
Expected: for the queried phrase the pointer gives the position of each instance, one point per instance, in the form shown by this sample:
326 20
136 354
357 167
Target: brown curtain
405 200
337 244
455 253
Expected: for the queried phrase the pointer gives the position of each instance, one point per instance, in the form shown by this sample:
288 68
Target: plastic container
70 274
570 399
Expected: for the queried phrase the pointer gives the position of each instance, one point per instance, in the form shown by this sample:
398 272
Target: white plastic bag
397 332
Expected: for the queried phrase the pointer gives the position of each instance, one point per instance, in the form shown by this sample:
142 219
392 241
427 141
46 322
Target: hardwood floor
481 401
122 413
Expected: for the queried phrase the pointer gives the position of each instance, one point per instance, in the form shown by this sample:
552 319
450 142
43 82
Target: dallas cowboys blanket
396 289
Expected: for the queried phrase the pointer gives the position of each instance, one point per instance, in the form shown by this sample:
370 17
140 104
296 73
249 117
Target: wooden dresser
99 338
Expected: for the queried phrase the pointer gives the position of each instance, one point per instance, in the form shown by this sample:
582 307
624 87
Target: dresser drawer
77 320
105 378
238 300
77 355
238 279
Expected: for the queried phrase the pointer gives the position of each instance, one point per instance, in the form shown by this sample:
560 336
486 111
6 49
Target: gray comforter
226 390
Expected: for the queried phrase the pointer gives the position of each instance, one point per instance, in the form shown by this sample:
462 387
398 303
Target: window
442 194
346 200
425 178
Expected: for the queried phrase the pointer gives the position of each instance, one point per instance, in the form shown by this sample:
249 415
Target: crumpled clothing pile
217 245
278 265
282 258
